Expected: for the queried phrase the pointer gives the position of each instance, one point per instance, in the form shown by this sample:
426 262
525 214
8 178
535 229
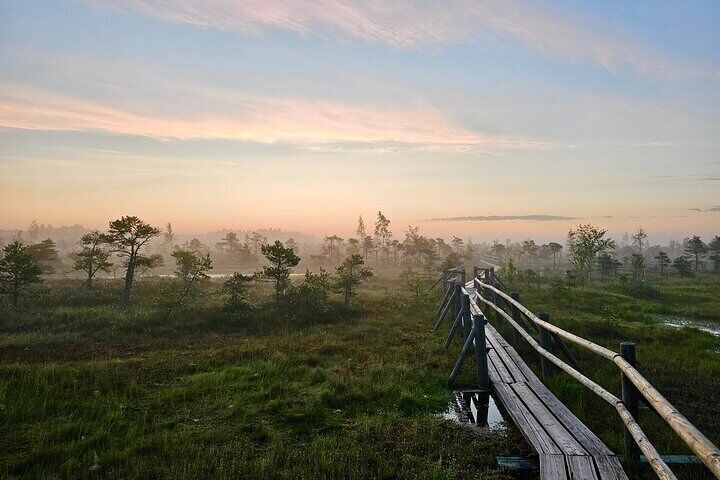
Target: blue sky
306 114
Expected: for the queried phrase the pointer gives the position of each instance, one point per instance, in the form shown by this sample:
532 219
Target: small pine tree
282 260
126 237
714 248
683 266
45 255
697 248
236 287
351 273
191 266
663 260
92 256
18 269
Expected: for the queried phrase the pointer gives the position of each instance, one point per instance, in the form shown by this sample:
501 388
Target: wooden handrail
654 458
693 438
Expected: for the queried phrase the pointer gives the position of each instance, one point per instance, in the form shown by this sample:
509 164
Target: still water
473 408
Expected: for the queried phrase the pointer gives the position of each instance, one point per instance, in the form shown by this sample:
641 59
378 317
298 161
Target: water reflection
474 408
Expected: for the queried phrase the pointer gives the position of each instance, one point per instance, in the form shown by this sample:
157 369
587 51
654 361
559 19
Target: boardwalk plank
610 468
552 467
528 425
509 363
581 468
500 367
578 429
554 428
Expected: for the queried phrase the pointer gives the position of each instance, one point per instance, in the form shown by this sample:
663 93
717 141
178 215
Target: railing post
457 301
466 316
630 399
462 277
444 281
548 369
515 314
489 294
475 272
481 360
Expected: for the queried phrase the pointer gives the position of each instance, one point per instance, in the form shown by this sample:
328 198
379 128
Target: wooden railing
489 296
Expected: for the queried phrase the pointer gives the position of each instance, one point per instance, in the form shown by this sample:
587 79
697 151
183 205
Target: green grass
89 391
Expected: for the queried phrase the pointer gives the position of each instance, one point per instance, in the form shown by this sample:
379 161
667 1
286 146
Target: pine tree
18 269
663 260
697 248
350 273
92 256
282 260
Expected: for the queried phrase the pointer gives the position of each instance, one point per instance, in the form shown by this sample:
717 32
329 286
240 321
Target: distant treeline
56 249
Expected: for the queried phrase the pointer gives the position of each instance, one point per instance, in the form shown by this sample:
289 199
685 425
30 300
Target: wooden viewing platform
566 448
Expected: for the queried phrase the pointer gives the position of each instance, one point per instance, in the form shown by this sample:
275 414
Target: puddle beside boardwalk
676 321
476 409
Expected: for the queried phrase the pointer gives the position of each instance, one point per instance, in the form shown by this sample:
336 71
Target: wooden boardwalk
567 449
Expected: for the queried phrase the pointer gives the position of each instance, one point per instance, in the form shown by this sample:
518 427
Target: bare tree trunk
125 299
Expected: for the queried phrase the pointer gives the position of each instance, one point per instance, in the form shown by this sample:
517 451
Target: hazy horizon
304 115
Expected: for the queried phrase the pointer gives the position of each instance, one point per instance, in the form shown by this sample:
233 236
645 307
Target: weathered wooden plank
584 435
499 338
509 363
577 428
581 468
495 377
528 425
500 367
609 467
554 428
552 467
527 373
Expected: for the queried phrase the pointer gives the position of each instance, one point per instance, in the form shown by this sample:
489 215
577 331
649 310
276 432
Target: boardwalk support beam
443 313
456 326
463 353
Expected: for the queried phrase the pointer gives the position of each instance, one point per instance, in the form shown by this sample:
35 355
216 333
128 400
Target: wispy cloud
688 177
492 218
311 124
711 208
418 24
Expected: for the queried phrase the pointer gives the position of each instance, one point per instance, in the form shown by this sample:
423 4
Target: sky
484 119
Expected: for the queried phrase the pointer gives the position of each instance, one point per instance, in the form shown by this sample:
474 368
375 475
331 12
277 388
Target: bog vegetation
137 352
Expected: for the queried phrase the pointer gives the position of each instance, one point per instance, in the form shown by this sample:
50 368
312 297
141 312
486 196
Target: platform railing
634 383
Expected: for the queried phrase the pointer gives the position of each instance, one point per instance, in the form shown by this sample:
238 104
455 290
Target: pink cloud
306 123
